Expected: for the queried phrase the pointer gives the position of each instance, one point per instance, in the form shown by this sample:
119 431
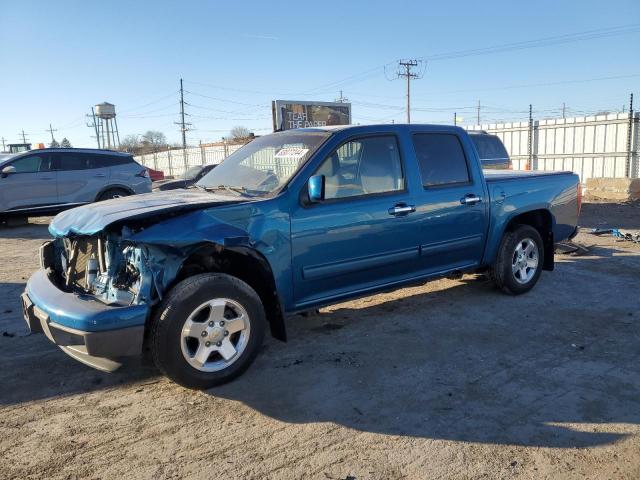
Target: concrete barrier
618 189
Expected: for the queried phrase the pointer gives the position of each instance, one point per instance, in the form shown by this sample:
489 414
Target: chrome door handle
470 199
101 175
402 209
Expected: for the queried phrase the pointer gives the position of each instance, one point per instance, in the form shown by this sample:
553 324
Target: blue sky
57 59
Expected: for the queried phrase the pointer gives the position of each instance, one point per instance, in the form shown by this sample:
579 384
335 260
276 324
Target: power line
535 43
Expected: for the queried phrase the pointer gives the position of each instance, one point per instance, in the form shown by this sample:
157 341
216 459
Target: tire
519 261
194 361
112 193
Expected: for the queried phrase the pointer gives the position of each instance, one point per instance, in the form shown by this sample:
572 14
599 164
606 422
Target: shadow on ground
554 368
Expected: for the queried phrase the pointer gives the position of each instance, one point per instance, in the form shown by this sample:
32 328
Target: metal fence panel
591 146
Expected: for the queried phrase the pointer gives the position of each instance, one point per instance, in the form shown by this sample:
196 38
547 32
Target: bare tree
130 144
154 139
239 132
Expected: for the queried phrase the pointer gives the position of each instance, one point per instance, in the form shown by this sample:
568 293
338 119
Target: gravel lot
447 379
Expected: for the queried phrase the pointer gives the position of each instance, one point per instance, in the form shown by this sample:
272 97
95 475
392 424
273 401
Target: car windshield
265 164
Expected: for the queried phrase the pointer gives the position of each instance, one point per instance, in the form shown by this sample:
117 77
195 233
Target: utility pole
3 140
183 125
24 138
455 118
95 125
478 113
341 99
51 130
407 65
564 110
629 141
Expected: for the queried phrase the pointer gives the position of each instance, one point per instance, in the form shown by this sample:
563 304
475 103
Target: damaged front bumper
90 331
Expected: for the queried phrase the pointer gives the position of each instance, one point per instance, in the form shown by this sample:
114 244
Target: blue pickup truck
291 222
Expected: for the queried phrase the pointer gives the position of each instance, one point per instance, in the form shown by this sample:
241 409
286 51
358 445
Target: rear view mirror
316 188
9 169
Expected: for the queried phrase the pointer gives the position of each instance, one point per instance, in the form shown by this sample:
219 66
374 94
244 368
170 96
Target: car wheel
207 330
519 262
112 193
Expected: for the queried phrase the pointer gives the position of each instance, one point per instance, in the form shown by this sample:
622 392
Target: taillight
579 197
144 174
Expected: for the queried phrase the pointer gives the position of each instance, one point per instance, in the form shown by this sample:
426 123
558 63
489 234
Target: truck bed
500 175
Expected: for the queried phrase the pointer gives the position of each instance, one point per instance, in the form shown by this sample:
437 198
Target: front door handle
402 209
470 199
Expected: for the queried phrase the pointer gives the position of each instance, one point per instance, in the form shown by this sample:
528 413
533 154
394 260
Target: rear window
489 147
441 159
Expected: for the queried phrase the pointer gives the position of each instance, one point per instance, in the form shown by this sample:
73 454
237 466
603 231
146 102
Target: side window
441 159
32 164
71 161
361 167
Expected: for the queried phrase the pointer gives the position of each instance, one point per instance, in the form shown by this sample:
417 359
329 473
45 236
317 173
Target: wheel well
542 221
246 264
114 187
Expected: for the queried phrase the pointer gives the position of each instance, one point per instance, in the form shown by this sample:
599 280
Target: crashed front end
93 294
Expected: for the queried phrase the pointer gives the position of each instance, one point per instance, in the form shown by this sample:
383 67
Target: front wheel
519 261
208 330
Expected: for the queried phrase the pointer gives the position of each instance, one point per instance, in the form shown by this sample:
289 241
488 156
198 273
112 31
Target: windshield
264 165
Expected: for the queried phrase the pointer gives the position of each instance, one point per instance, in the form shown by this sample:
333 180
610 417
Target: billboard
291 114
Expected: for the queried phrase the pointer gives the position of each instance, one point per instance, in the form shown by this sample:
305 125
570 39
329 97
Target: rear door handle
470 199
402 209
101 175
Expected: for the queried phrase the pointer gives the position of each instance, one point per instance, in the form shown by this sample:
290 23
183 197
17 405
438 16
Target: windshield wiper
238 190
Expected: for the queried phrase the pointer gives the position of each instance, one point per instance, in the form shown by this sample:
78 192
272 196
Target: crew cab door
452 207
31 185
363 234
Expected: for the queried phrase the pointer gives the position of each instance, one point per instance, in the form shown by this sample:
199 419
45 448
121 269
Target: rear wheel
519 261
112 193
208 330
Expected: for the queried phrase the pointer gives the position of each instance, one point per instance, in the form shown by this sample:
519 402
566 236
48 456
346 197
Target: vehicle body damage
291 222
123 258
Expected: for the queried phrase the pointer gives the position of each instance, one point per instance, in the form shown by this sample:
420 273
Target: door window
70 161
441 159
364 166
32 164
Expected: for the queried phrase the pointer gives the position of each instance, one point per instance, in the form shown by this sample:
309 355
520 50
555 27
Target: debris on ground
630 235
571 248
7 334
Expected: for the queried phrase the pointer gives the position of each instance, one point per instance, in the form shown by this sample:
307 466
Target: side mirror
8 170
316 188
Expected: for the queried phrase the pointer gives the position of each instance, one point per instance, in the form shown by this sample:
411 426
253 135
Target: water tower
107 126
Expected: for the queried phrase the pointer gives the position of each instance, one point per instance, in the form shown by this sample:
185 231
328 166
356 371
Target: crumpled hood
92 218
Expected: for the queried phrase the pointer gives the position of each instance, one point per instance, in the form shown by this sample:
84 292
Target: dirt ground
447 379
